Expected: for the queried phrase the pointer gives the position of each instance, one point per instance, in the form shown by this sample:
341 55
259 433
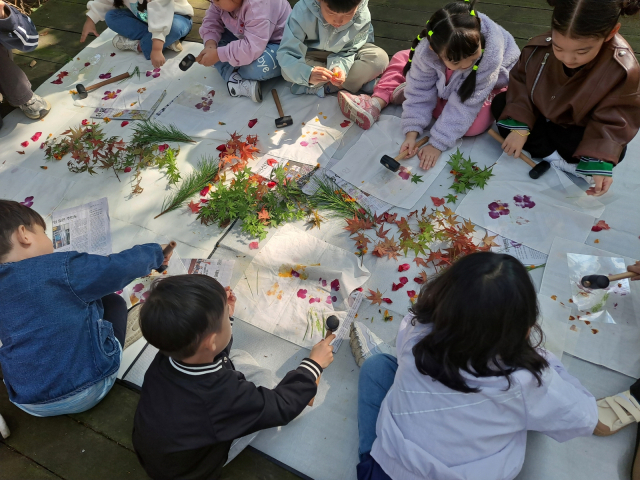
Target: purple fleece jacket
255 23
426 82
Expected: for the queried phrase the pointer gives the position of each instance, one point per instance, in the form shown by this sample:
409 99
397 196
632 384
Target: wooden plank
56 46
38 74
16 466
63 446
63 15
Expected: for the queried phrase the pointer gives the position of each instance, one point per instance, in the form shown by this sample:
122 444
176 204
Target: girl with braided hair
143 26
575 91
455 66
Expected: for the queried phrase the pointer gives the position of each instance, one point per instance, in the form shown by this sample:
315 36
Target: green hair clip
419 39
475 67
430 32
409 60
413 49
473 13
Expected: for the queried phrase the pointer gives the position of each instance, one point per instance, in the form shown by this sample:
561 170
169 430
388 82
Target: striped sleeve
310 365
593 166
512 124
17 31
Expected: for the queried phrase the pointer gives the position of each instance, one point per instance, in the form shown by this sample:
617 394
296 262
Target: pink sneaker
397 97
358 108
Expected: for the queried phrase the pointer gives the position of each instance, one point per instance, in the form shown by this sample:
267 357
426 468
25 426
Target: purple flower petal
138 287
335 285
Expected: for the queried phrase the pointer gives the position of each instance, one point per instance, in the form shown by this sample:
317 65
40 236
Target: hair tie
430 32
473 13
475 67
413 49
409 60
419 38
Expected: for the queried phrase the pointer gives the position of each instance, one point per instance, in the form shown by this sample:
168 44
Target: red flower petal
437 201
204 191
253 245
36 137
404 267
271 162
418 280
601 225
271 184
396 286
253 122
222 147
127 169
387 300
24 144
403 280
124 123
411 293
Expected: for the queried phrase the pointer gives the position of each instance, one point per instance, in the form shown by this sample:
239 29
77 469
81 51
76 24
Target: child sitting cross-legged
469 380
328 45
199 397
62 328
241 39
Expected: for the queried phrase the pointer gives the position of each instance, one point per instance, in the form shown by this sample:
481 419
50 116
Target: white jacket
159 18
427 430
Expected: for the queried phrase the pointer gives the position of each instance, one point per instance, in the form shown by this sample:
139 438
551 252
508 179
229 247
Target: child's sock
123 43
239 87
361 109
302 90
364 343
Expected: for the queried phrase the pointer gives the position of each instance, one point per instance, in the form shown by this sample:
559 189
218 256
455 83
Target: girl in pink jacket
241 38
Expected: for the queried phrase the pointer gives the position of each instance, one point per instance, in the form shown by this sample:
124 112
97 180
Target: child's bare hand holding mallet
231 300
209 55
322 352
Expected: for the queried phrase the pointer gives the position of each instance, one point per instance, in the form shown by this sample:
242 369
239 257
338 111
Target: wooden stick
122 76
276 99
169 248
403 155
523 157
620 276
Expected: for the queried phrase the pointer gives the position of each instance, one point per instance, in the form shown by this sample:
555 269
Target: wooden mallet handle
404 154
276 99
122 76
166 251
621 276
523 157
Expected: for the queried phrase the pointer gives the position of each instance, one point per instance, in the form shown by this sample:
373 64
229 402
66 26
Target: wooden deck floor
97 444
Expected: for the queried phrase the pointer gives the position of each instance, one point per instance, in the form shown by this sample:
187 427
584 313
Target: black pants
115 311
546 137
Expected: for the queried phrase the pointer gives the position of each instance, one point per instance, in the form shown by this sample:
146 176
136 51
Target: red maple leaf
437 201
420 262
195 207
264 216
272 162
381 233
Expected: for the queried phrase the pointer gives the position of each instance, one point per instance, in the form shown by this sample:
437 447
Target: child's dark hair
454 33
341 6
483 313
142 7
12 215
180 311
589 18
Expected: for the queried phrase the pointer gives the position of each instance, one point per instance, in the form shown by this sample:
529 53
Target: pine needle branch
199 178
152 132
331 197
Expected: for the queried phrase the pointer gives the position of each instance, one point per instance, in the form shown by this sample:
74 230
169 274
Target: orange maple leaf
194 206
420 261
264 216
375 297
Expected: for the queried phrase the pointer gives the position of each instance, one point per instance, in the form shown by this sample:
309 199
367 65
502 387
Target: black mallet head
390 163
539 170
595 281
82 92
284 121
186 62
332 323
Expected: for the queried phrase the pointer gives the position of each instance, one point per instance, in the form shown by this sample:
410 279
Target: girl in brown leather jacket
575 90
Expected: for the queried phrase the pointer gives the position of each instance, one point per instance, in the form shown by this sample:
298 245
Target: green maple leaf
451 198
416 179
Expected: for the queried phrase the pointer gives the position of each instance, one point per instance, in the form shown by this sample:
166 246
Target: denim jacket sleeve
91 277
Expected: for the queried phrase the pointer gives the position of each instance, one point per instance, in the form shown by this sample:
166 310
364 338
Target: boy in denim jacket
61 326
327 45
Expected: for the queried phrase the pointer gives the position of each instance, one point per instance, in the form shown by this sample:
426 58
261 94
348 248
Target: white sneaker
364 343
124 43
176 46
36 108
239 87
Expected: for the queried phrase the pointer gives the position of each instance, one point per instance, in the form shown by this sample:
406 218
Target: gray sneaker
364 343
302 90
397 97
176 46
239 87
36 108
124 43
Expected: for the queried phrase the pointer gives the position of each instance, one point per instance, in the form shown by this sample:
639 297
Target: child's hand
337 76
157 58
320 75
88 28
428 156
208 56
513 144
322 352
409 144
601 187
635 269
231 300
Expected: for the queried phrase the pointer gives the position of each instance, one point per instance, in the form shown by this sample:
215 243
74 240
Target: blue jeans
75 403
125 23
263 68
376 377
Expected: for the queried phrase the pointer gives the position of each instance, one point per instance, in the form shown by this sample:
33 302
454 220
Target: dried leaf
601 225
375 297
195 207
437 201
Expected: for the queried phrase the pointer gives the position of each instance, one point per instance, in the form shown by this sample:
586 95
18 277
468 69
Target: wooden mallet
596 282
84 91
537 169
332 323
166 251
392 163
186 62
283 121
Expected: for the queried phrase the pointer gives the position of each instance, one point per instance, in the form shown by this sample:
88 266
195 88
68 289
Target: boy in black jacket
17 32
194 403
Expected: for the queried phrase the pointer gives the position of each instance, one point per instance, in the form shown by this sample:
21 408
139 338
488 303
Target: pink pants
392 77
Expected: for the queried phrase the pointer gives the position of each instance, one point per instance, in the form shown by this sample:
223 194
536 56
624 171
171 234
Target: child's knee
376 364
376 57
